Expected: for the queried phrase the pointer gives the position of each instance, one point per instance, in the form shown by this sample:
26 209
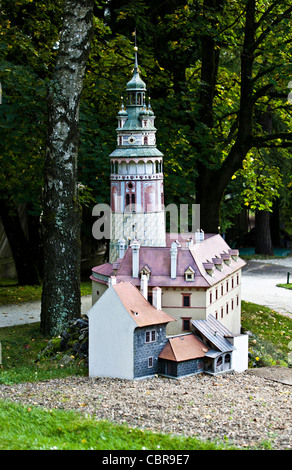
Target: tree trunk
25 262
263 240
61 220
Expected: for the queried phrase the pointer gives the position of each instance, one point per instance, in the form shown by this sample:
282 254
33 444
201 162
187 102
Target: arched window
127 202
150 199
114 199
145 140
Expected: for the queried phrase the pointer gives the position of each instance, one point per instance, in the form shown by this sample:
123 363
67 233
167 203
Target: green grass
272 334
11 293
34 428
21 345
286 286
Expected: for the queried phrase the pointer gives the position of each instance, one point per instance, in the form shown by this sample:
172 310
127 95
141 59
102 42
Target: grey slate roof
215 332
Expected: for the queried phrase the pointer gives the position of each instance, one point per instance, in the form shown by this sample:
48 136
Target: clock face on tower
131 139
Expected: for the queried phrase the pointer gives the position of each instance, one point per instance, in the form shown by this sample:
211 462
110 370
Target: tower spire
136 68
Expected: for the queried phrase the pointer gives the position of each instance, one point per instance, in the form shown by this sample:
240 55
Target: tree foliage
218 74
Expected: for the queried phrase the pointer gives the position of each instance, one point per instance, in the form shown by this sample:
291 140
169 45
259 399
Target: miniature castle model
153 287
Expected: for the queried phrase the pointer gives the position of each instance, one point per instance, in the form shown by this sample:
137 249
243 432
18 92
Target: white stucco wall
110 338
227 304
240 355
98 289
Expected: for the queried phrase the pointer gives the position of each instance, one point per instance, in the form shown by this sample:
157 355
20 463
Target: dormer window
234 254
189 274
209 268
146 271
218 263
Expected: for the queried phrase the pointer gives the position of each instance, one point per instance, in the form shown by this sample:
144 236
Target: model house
188 278
127 340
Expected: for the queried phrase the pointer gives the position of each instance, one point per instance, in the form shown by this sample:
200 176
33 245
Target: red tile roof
183 348
142 312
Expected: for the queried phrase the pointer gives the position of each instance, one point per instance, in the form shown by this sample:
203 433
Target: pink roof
158 260
208 254
106 269
142 312
183 348
211 249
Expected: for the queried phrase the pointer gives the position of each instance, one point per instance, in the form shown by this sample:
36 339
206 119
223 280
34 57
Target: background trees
218 75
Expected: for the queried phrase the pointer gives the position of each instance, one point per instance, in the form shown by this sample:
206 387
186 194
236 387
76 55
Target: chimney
189 242
144 286
199 236
135 258
156 297
112 281
122 246
173 260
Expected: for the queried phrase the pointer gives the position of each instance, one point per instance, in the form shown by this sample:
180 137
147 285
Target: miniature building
190 277
127 340
126 334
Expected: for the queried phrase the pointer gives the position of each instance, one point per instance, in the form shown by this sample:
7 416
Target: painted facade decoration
194 279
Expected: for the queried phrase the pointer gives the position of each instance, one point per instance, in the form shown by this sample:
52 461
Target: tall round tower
137 201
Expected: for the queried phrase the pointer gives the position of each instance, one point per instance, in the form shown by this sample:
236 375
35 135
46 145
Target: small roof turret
122 111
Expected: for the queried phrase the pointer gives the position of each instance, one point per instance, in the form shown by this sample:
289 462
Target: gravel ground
248 408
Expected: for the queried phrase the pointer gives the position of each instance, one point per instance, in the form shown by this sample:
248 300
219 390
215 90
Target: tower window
145 140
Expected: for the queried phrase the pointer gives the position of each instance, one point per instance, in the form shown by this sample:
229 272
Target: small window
216 293
221 312
232 304
150 361
186 300
221 289
150 336
186 324
216 315
227 308
210 297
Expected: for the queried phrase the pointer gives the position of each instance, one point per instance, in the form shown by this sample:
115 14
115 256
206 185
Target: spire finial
136 52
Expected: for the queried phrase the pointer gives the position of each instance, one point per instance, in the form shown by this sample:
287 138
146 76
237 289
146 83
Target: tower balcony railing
145 176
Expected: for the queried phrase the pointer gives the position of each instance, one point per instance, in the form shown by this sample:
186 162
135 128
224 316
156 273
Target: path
29 312
259 284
